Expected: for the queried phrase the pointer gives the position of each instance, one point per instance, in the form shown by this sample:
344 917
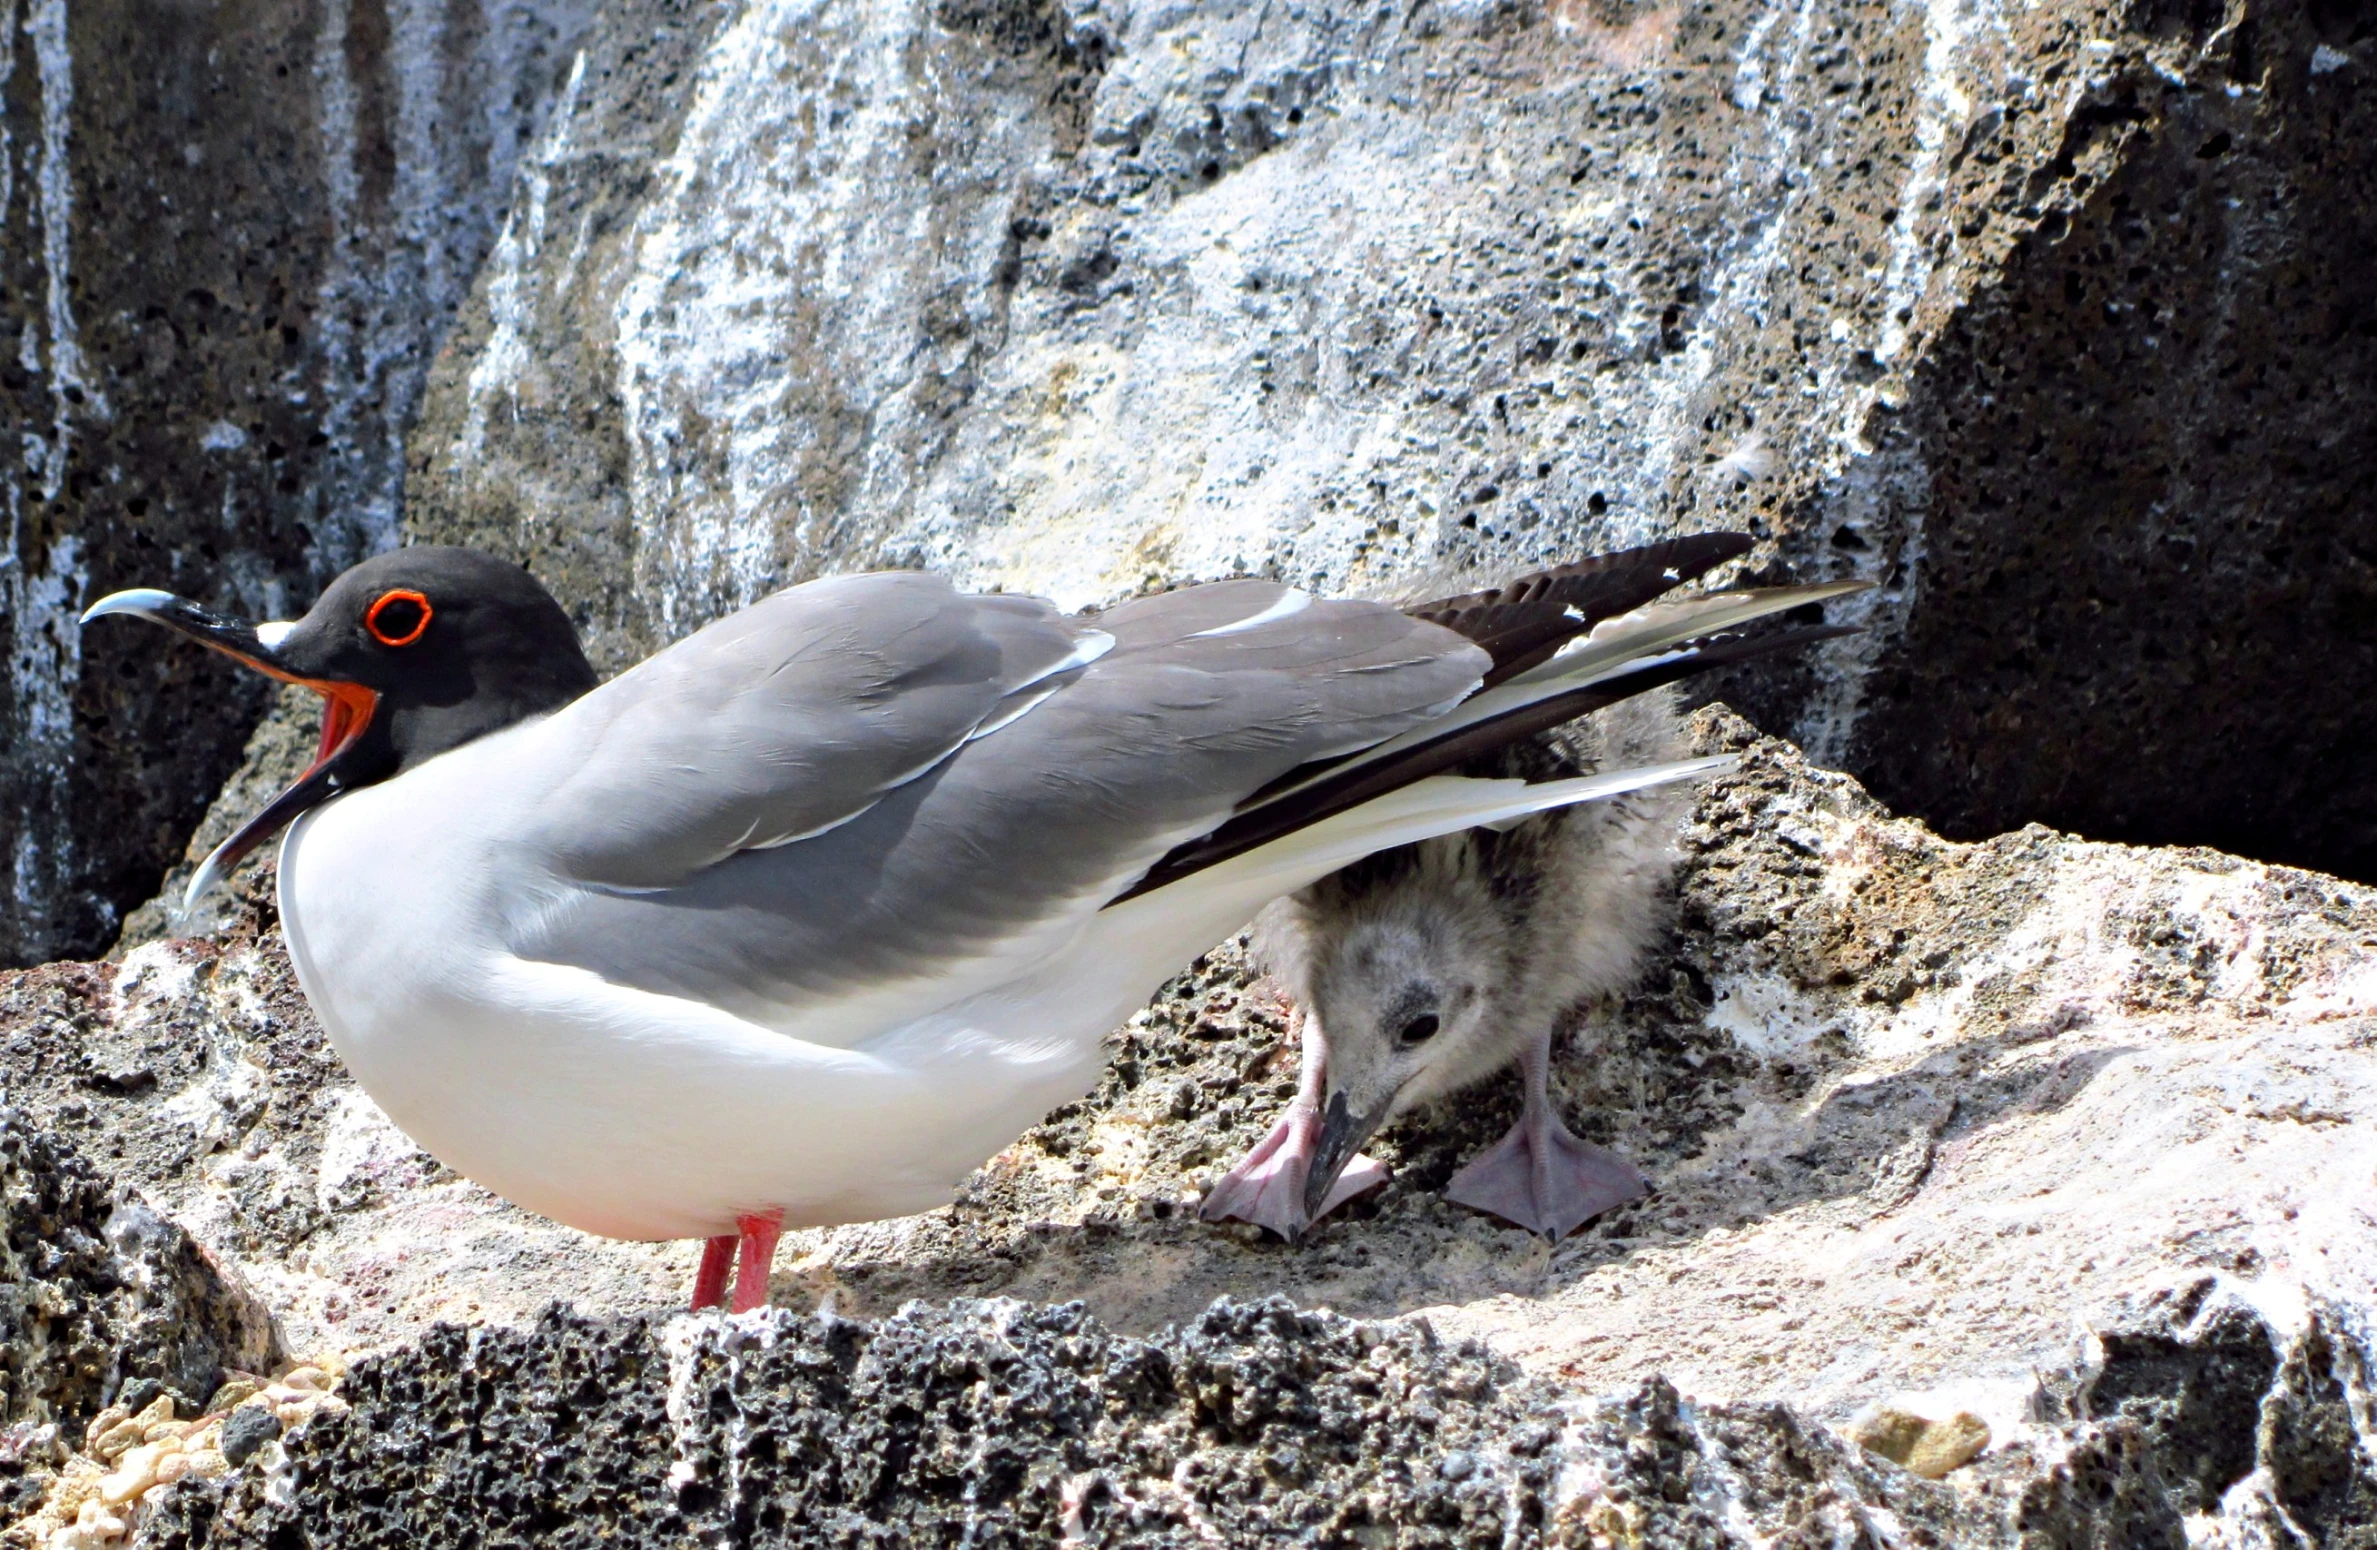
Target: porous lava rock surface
100 1296
1002 1423
2070 1140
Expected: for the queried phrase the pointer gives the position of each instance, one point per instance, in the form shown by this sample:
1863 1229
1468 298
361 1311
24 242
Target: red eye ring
371 617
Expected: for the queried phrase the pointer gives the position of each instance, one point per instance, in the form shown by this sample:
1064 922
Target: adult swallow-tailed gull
1419 971
809 914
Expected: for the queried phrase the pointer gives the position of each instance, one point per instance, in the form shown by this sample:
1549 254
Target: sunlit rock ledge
2073 1140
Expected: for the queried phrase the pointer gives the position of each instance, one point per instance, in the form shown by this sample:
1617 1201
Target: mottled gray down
1155 741
1500 932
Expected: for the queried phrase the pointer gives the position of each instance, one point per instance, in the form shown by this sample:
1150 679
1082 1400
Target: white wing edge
1438 805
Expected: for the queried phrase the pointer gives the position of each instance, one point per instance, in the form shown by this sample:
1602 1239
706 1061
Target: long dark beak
1342 1135
346 710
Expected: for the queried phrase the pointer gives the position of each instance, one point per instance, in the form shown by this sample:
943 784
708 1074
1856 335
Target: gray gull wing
790 717
1206 695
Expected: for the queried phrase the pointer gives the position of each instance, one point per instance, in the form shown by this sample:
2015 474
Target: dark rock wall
229 239
2050 319
2133 482
2053 320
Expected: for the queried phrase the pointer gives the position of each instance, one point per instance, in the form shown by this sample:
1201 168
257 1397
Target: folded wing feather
1001 838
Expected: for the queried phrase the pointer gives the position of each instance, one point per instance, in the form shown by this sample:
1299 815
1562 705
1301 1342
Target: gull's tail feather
1616 657
1525 621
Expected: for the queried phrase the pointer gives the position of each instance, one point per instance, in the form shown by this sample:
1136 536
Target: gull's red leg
709 1282
757 1256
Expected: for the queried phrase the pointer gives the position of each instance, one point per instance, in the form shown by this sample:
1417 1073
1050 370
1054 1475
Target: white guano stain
513 272
46 24
1877 492
771 313
377 282
1942 105
335 106
396 275
1874 491
42 591
8 70
1742 277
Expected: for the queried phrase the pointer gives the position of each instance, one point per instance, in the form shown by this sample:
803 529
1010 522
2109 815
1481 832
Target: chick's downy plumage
1424 970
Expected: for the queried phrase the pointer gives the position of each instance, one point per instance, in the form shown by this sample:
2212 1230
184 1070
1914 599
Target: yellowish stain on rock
1930 1448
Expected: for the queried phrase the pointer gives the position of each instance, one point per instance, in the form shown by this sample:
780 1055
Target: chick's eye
397 618
1420 1029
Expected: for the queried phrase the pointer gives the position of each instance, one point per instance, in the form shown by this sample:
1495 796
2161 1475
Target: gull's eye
397 618
1420 1029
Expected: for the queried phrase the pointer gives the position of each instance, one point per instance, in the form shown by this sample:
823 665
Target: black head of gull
414 652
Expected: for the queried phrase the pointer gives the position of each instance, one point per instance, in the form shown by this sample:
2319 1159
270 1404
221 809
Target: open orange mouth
347 709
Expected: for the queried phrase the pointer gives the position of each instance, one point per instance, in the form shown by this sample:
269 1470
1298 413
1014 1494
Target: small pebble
141 1393
135 1473
230 1394
104 1422
1931 1449
245 1430
311 1379
119 1439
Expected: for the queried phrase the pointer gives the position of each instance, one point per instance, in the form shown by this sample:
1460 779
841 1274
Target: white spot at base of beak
275 632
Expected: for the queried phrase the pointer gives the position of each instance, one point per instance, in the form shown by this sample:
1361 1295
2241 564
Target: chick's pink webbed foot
1540 1176
1267 1186
750 1252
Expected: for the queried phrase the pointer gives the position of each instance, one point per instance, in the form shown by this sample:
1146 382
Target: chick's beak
1342 1133
346 710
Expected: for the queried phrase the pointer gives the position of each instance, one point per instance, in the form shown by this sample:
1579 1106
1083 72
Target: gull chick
1423 970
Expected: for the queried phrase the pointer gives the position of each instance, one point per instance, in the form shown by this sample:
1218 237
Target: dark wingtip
1523 621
